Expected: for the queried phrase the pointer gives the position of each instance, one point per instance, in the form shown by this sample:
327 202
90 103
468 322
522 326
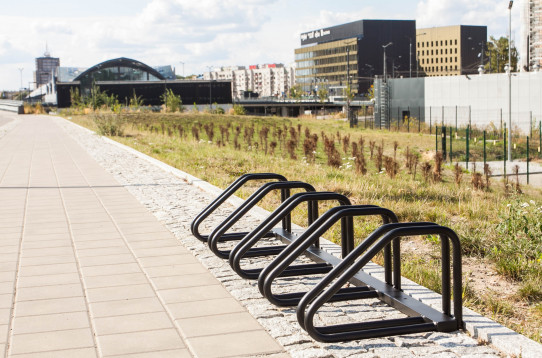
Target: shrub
109 124
172 102
239 110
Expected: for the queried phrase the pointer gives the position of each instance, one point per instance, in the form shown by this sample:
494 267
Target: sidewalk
88 271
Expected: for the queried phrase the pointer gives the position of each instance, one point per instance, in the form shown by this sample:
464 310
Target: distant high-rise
45 68
531 35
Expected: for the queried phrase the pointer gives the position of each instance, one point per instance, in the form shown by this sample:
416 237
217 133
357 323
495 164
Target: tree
172 102
322 94
296 92
497 53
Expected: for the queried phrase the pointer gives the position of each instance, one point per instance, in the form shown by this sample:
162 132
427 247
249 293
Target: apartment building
531 35
268 80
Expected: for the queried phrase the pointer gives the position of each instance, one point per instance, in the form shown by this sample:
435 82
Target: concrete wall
487 96
481 99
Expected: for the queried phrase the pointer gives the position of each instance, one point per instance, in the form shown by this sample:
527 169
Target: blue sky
203 33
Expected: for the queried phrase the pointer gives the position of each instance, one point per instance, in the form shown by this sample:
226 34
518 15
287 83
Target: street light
21 88
510 80
384 47
182 63
409 57
417 52
210 68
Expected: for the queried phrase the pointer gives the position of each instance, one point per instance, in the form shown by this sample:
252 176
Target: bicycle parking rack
349 270
245 247
219 232
422 318
301 246
230 190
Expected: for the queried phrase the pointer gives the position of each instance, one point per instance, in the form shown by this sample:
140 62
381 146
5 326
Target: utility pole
410 59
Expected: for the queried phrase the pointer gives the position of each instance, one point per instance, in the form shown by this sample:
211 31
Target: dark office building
329 56
124 77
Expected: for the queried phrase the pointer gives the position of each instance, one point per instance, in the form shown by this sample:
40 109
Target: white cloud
490 13
210 32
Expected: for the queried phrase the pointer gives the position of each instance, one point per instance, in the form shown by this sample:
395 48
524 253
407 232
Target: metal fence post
484 149
527 159
430 119
467 148
451 139
501 123
504 150
398 118
436 139
444 142
455 119
420 119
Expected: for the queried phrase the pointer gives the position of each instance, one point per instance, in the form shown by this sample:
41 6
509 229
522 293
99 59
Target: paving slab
86 268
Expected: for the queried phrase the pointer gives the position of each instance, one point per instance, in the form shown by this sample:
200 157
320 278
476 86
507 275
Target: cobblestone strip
176 204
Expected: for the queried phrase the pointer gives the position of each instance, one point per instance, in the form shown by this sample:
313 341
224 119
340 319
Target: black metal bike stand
301 246
245 248
230 190
422 318
218 233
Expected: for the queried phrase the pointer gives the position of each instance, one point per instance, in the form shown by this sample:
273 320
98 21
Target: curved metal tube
381 237
294 250
246 244
221 229
229 191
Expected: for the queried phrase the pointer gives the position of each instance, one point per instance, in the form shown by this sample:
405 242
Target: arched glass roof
120 69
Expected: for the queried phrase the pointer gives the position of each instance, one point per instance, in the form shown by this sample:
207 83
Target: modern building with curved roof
120 69
124 77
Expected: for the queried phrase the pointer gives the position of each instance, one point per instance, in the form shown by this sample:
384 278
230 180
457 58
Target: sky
193 35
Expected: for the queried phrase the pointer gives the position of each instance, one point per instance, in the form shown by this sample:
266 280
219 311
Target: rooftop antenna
46 54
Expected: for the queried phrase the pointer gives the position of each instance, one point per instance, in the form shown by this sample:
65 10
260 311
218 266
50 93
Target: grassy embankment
500 228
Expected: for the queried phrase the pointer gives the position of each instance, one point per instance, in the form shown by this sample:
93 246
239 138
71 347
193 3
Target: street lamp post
21 88
210 68
409 57
384 47
510 80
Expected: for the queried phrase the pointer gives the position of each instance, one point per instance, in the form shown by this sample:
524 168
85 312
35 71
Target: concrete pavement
88 271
